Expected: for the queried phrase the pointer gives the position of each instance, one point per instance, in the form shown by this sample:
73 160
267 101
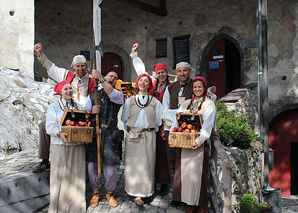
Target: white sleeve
57 73
165 104
117 97
158 113
139 65
208 118
88 105
52 123
125 112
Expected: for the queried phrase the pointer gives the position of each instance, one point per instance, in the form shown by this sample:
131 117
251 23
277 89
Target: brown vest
174 90
135 110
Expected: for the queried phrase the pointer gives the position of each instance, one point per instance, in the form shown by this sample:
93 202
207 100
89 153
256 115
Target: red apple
186 131
193 126
81 123
180 129
184 125
72 123
174 129
189 126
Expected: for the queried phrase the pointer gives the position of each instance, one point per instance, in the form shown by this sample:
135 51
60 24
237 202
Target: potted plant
249 204
265 207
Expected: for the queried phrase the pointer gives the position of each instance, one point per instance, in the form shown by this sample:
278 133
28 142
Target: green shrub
234 130
249 204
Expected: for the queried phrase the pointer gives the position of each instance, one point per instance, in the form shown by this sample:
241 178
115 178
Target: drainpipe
263 85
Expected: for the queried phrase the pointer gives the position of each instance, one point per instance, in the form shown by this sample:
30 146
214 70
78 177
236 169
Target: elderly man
82 86
109 102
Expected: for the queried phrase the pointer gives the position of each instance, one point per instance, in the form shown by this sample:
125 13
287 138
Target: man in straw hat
82 86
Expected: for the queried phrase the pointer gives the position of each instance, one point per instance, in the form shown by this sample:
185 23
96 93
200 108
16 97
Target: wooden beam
161 11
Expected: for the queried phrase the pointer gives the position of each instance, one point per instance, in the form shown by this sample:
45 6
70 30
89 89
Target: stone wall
17 35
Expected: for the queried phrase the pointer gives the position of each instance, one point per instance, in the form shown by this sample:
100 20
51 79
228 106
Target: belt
141 130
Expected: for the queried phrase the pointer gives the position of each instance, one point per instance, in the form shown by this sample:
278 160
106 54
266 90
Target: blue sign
213 64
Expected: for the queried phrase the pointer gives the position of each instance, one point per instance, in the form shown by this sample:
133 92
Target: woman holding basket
141 116
67 176
190 181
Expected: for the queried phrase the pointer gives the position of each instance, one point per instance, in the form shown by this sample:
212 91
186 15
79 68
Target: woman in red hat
67 176
160 80
190 181
141 116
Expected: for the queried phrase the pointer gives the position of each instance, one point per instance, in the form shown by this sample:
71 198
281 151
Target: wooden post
227 185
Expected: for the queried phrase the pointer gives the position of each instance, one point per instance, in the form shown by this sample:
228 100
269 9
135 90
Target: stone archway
221 63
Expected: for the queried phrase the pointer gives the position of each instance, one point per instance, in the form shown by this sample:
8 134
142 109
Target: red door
283 136
111 62
216 71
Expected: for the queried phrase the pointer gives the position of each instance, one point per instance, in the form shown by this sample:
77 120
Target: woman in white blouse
190 180
67 177
141 116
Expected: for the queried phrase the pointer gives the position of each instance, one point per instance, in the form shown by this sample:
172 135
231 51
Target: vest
108 111
70 76
135 110
174 90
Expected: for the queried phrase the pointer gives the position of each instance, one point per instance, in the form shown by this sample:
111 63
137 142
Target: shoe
175 203
41 167
95 199
164 189
139 201
111 199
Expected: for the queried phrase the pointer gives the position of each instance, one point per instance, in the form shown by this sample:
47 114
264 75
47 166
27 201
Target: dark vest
108 110
174 90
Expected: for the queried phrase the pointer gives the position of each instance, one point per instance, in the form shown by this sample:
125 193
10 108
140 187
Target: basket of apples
184 135
75 124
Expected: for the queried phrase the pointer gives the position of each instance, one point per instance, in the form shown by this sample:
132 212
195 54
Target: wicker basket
184 139
76 133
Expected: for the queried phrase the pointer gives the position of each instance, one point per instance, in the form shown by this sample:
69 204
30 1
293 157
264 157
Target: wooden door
283 133
111 62
216 68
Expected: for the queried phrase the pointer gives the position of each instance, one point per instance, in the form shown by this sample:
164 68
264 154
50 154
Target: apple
183 125
180 129
81 123
67 121
193 126
72 123
174 129
189 126
186 131
193 131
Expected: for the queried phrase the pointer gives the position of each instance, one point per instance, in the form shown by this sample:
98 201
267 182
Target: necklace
143 105
67 105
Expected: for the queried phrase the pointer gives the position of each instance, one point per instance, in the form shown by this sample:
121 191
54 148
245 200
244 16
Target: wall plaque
161 48
181 49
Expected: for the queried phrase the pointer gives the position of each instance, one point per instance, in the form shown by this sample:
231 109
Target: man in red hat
82 86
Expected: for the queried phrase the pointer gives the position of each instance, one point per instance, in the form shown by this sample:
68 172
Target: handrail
220 188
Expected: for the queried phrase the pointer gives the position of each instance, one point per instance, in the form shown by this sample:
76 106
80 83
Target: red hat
160 66
59 86
149 78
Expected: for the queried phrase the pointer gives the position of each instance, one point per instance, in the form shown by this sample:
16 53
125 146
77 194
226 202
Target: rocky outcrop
23 104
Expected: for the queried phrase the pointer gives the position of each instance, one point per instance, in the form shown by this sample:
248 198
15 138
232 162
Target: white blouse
142 121
54 115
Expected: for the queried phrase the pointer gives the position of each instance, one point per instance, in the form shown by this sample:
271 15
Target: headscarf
204 82
149 79
160 66
59 86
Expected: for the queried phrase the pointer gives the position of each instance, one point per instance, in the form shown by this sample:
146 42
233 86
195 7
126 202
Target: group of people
148 117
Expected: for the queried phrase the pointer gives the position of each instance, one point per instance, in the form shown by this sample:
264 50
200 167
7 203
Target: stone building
217 37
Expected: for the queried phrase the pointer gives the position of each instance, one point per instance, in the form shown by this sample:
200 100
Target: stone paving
26 160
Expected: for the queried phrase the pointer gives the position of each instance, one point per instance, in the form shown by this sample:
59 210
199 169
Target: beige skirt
67 179
140 165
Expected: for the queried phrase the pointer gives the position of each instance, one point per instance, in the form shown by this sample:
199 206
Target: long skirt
190 179
140 165
67 179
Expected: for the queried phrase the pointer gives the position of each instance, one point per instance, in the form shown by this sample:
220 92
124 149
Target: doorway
283 139
224 67
111 62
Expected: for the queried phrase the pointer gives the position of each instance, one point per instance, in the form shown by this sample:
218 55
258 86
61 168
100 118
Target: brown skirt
67 179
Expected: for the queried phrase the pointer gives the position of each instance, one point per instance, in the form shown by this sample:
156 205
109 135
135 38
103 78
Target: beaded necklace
139 104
